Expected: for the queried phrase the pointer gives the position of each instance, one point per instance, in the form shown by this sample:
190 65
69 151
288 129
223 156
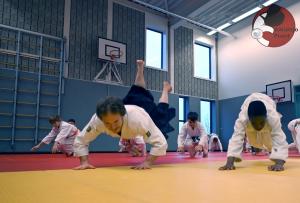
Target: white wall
245 66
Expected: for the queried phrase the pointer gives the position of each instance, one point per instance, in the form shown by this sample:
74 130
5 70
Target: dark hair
110 104
54 119
193 116
71 120
257 108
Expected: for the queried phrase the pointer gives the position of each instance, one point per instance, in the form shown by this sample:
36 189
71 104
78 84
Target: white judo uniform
136 122
214 146
189 137
271 137
64 136
294 127
138 143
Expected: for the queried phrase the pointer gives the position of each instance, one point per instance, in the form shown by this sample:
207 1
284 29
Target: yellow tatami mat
182 183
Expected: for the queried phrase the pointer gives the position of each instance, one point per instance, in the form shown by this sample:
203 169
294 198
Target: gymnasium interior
60 57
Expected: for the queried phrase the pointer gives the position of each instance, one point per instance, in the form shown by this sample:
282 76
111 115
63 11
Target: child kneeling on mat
193 137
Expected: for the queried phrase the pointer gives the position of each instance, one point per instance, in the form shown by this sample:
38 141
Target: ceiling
209 12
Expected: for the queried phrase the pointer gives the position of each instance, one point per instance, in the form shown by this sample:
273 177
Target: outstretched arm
47 140
153 136
81 143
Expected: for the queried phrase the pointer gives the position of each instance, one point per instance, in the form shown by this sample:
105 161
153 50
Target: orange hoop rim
114 56
277 98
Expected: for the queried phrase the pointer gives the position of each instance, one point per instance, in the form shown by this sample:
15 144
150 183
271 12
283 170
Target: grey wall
41 16
129 28
88 22
185 83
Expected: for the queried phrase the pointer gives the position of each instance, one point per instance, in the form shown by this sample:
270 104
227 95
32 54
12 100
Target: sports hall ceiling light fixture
268 3
245 15
180 17
241 17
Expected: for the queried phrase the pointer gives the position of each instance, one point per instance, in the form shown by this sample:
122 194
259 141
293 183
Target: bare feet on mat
167 86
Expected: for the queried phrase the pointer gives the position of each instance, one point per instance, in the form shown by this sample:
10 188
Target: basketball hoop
115 54
277 99
112 53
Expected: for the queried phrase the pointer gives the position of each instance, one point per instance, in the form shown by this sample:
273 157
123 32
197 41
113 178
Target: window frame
162 49
210 114
185 110
210 61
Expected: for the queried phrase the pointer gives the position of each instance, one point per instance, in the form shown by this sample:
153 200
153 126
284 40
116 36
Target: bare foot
167 86
140 64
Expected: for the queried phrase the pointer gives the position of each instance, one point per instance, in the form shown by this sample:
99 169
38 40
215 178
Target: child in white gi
64 134
215 144
294 127
193 137
260 120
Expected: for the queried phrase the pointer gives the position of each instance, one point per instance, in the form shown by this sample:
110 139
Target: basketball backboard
109 50
280 91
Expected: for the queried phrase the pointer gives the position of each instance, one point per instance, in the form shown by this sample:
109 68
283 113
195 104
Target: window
154 48
202 61
205 115
182 111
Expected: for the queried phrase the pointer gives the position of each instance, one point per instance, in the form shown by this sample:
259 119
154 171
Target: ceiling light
269 2
245 15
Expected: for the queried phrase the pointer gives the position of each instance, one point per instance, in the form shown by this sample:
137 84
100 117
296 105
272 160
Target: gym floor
175 178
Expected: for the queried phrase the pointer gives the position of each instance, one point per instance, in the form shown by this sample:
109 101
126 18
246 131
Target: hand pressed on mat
180 149
229 164
146 164
278 166
199 148
55 148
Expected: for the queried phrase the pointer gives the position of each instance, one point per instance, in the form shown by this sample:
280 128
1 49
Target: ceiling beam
181 17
